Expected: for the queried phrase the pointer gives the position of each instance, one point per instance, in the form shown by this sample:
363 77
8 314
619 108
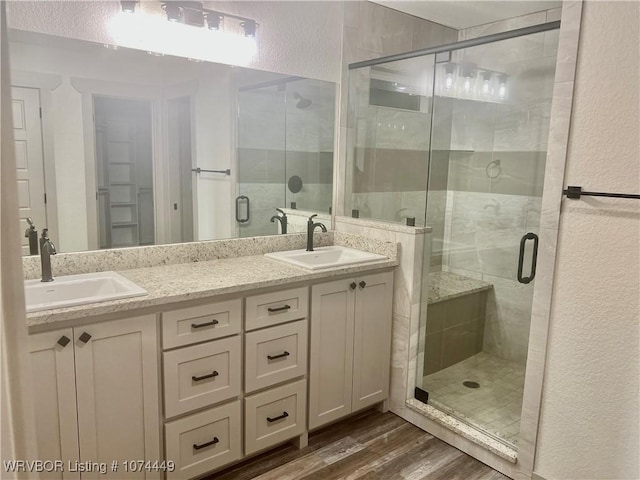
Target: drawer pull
208 324
279 417
205 445
279 309
273 357
63 341
204 377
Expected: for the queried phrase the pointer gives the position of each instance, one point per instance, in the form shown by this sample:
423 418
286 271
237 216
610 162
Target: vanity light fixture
192 13
213 20
173 11
128 6
249 27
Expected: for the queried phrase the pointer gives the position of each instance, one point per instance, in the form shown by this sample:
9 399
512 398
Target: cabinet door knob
363 284
85 337
352 285
63 341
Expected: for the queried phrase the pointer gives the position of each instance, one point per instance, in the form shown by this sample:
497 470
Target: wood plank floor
370 446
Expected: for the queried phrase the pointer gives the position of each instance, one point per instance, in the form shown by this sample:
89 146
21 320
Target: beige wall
590 409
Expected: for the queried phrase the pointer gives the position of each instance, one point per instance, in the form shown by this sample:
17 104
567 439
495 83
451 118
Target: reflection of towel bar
576 192
200 170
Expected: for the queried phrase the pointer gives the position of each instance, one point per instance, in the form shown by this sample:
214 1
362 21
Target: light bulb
486 87
448 82
466 86
502 87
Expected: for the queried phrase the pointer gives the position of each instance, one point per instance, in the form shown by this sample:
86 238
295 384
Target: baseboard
535 476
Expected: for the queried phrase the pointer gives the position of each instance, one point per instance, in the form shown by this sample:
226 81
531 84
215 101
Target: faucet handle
30 222
312 217
45 233
279 210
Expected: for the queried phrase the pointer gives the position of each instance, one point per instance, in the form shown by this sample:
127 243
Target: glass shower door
388 141
261 150
491 115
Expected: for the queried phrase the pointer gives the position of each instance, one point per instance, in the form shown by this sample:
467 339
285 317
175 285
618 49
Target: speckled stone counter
445 286
176 283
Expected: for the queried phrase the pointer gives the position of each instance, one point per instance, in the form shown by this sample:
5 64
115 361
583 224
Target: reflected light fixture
128 6
502 86
467 73
486 83
449 79
249 27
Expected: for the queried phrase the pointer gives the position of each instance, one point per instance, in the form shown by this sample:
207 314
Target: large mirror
118 147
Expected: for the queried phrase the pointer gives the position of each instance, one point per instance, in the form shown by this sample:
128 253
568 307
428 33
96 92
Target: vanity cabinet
112 370
239 376
350 346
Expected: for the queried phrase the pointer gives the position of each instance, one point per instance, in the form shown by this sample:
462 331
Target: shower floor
494 407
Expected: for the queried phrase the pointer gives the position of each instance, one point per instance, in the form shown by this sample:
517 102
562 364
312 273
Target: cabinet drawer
201 375
198 324
275 355
277 307
274 416
204 441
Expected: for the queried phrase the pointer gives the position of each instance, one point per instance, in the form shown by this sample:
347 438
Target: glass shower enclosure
455 138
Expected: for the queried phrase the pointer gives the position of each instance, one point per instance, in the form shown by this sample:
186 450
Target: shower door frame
566 59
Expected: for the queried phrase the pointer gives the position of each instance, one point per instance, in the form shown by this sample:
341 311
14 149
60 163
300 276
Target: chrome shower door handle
534 258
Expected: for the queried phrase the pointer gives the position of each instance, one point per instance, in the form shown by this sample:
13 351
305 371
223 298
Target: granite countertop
170 284
446 285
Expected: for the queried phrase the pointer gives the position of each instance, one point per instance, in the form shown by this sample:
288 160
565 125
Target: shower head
302 102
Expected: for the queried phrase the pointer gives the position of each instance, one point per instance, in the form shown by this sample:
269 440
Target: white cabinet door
331 359
372 340
54 398
118 397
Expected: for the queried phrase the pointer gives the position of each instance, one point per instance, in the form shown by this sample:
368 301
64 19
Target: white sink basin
72 290
325 257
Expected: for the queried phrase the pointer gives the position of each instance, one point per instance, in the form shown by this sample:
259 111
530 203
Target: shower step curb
472 434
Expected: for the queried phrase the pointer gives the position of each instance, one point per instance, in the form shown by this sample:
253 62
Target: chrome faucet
282 219
310 228
47 248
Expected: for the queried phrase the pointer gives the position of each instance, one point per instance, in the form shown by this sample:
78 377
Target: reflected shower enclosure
455 138
285 138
